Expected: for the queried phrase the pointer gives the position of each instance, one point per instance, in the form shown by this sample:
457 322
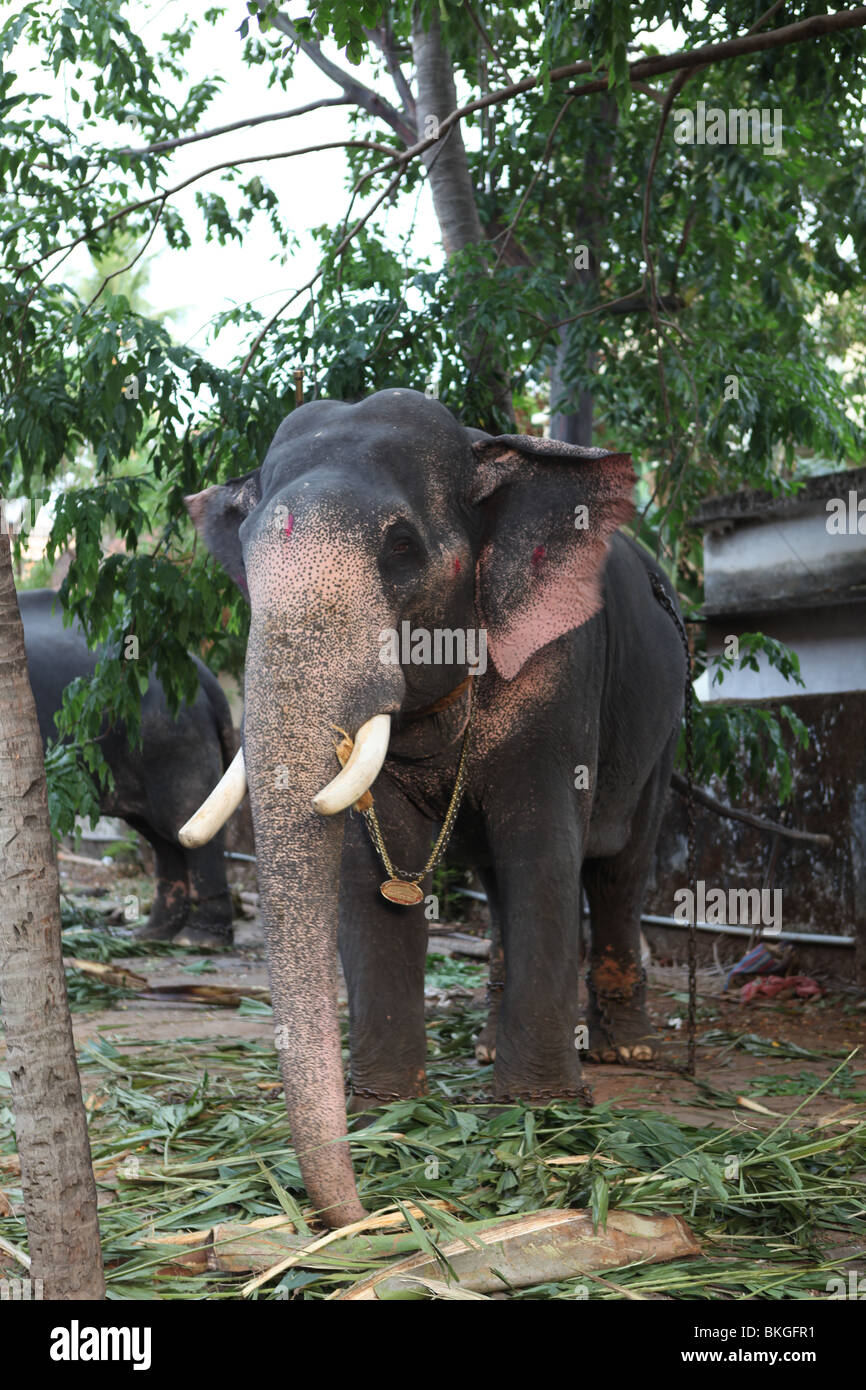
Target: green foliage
345 23
72 790
445 972
445 879
747 744
193 1132
751 646
759 262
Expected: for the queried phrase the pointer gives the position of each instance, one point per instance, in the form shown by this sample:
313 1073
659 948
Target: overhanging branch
161 146
816 26
356 91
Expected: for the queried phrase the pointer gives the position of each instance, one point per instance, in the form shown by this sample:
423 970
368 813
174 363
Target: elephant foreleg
209 920
171 897
538 882
383 949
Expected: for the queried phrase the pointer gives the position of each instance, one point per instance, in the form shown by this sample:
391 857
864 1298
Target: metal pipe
805 938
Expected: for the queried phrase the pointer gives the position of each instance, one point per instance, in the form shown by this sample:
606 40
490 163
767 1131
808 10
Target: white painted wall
765 562
830 642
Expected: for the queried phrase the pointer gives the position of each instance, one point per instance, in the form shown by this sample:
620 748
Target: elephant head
363 517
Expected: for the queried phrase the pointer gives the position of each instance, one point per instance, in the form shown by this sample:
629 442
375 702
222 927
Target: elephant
156 785
386 518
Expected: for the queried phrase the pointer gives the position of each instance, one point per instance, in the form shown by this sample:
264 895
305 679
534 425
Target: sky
193 286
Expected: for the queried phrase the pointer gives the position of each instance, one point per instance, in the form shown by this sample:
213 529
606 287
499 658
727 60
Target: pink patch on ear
538 555
456 565
563 599
290 524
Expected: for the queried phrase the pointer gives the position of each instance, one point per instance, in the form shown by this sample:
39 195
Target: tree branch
703 798
384 40
816 26
487 41
356 91
162 145
214 168
136 258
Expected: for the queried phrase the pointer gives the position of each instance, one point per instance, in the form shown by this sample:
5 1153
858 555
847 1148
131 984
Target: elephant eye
401 547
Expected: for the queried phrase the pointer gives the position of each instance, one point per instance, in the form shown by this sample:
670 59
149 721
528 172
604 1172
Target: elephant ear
549 513
217 514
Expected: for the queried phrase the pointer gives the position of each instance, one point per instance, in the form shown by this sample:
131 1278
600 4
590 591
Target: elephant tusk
223 801
361 770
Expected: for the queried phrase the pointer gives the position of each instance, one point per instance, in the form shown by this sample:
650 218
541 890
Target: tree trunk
446 163
575 426
56 1171
452 187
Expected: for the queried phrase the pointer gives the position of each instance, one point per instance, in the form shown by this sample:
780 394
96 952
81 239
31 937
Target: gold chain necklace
402 886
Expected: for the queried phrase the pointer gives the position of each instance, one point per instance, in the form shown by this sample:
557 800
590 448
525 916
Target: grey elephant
158 784
367 526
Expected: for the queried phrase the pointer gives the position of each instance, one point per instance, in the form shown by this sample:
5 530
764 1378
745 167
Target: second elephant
156 785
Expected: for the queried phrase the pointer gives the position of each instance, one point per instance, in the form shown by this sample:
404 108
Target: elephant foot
539 1080
205 938
209 923
620 1030
385 1090
156 929
366 1104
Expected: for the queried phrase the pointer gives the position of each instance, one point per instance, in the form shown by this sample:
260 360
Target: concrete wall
781 561
830 642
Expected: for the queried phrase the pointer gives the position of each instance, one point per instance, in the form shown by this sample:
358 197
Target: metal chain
664 599
600 998
447 825
543 1093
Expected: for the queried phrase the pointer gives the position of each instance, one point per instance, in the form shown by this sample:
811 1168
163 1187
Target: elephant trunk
289 743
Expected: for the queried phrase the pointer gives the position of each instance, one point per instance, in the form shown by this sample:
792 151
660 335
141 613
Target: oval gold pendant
396 890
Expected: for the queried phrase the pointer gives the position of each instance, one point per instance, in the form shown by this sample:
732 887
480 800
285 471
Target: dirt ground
828 1029
773 1069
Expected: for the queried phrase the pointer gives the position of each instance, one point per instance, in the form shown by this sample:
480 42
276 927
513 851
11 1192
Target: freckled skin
400 514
